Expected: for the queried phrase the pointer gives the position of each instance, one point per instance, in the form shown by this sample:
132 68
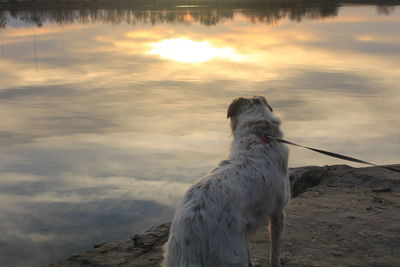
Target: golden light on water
186 50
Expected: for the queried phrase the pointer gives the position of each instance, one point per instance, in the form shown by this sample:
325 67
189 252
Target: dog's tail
180 255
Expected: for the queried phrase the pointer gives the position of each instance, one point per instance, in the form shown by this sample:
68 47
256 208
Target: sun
186 50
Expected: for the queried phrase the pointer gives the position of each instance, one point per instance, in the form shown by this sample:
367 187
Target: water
107 116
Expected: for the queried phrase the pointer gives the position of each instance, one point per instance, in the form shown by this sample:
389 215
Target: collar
266 139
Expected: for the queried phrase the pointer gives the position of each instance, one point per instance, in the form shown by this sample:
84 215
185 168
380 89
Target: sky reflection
186 50
104 126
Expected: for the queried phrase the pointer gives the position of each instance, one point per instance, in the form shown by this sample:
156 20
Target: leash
267 139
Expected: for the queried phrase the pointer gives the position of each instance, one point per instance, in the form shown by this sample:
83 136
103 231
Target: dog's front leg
276 231
248 254
248 251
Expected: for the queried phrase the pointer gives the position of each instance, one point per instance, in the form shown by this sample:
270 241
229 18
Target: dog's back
206 223
197 239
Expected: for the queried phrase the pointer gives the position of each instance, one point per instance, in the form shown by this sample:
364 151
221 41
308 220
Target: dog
217 214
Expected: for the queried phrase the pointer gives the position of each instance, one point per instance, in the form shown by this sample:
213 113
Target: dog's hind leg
248 253
276 231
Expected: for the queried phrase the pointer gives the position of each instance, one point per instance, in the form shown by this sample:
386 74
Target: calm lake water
107 116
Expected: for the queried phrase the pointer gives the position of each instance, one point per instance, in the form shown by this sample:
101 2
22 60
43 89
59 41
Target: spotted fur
250 188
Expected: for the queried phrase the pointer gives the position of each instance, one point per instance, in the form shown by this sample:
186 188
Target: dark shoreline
159 11
144 4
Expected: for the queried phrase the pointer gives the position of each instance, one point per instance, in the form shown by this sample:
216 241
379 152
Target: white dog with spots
251 188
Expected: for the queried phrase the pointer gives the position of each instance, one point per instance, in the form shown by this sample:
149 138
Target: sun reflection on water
186 50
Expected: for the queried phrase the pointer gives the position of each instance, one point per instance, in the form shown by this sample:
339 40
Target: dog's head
254 108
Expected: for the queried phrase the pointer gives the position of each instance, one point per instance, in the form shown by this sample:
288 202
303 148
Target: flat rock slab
340 216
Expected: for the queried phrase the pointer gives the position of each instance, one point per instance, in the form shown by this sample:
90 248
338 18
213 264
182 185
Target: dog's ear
266 103
235 107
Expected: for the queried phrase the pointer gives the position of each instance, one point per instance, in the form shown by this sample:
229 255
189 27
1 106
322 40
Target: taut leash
331 154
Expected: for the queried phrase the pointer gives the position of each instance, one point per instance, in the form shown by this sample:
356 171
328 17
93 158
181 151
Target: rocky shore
338 216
